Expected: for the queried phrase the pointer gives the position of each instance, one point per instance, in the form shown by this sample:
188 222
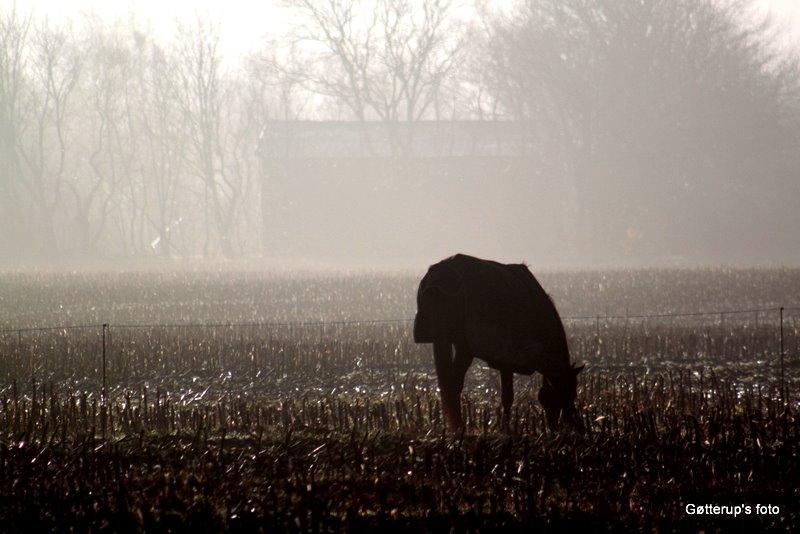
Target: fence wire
754 344
599 316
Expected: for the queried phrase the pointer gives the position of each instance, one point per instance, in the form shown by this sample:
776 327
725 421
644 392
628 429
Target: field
237 400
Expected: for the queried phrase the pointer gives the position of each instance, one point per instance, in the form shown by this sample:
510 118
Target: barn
392 193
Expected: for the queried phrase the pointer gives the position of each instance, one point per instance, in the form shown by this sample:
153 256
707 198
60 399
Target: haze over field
222 305
390 134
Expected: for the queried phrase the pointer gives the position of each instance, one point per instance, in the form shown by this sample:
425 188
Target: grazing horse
500 314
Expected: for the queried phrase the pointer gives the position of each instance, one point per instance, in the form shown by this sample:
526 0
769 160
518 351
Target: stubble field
241 400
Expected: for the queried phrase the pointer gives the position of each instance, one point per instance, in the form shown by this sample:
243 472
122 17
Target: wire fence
603 316
111 354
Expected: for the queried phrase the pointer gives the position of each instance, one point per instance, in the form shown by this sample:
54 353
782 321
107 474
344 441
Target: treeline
673 123
113 144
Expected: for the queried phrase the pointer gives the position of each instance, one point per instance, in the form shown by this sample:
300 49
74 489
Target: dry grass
327 427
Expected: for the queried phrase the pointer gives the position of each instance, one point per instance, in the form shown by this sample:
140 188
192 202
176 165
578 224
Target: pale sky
245 22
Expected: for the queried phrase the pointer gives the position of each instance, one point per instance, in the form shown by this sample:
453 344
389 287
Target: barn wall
386 210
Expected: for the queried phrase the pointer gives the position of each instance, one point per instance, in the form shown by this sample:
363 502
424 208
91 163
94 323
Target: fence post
625 340
783 383
105 393
19 348
597 331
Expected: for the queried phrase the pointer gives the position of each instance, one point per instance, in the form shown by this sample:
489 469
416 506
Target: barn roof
354 139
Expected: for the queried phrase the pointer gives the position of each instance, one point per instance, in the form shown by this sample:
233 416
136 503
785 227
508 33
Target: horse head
557 395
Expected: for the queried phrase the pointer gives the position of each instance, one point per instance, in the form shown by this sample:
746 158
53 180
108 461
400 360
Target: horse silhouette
502 315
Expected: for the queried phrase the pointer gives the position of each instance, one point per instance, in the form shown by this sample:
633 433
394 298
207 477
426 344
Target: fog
392 133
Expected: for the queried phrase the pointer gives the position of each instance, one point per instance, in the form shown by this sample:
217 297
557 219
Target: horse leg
443 360
461 362
507 396
450 372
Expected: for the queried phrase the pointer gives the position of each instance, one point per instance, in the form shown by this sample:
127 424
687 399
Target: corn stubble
321 428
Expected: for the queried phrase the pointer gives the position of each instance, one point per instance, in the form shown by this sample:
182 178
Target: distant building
370 191
281 140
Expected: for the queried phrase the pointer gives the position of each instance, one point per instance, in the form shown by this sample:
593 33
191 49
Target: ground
283 422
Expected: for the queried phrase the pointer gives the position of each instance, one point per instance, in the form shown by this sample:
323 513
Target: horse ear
576 370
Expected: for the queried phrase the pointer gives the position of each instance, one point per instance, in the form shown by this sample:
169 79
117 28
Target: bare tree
203 94
13 38
56 63
162 166
275 80
684 95
106 177
386 59
244 119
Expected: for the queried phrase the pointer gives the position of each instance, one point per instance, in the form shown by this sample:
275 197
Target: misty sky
244 22
531 137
